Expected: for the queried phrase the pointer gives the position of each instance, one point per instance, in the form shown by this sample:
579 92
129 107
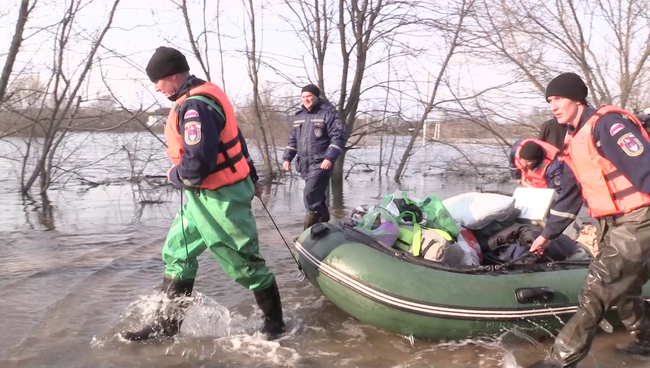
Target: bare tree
201 50
202 56
253 57
199 43
607 42
61 102
464 8
313 23
23 15
361 27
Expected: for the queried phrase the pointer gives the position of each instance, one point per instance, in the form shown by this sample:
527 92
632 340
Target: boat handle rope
508 264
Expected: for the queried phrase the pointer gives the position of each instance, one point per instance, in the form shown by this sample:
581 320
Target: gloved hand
172 175
259 190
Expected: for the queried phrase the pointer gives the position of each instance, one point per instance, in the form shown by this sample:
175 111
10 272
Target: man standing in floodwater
316 139
209 161
607 159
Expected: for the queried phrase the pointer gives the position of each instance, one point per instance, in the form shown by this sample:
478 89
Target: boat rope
301 275
504 266
187 252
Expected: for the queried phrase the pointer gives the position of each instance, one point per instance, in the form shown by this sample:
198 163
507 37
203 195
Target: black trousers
315 194
615 278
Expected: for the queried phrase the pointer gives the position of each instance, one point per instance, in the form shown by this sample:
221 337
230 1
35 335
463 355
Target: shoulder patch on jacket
192 133
630 144
191 114
616 128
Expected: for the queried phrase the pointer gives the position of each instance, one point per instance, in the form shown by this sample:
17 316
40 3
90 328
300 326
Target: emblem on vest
192 133
318 133
630 145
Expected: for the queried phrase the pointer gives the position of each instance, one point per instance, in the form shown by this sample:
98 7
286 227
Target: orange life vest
231 164
606 190
536 177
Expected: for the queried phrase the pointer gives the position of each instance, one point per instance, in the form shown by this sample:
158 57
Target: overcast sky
141 26
138 28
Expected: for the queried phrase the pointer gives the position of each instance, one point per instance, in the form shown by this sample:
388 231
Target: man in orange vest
607 157
536 164
209 162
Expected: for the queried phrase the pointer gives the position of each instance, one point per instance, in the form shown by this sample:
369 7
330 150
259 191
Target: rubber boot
311 218
550 363
168 319
641 346
325 217
271 305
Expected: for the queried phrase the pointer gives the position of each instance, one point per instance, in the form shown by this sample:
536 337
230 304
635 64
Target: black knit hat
531 151
166 61
568 85
311 89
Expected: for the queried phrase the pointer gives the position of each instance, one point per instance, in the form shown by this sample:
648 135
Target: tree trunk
16 41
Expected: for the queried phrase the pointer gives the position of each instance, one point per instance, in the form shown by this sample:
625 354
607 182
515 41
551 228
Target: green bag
430 211
438 217
380 225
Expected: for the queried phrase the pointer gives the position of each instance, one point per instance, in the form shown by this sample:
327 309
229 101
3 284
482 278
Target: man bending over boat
536 164
607 163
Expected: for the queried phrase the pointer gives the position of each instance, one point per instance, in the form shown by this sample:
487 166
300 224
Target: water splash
206 317
209 331
491 352
145 309
410 339
257 347
97 342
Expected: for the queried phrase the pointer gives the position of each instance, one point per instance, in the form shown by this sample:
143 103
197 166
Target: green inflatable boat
393 290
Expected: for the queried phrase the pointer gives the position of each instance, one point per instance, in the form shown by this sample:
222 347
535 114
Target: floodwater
81 265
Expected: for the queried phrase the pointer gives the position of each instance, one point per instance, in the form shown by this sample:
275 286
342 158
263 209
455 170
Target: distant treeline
27 122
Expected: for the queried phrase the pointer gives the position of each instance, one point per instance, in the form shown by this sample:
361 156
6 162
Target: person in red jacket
607 159
536 164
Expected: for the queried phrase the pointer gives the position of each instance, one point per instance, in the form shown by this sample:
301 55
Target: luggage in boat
476 210
378 223
430 244
429 212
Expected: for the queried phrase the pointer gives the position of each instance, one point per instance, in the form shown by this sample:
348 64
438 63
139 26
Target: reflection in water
336 190
44 212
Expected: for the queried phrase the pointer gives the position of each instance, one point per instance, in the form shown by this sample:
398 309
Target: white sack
476 210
